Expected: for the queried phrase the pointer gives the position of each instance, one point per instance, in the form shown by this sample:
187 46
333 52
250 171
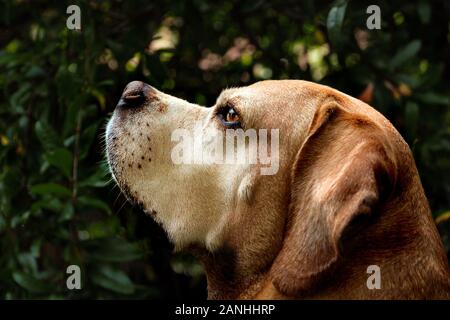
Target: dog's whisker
123 205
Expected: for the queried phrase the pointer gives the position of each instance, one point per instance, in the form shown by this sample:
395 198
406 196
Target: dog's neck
227 280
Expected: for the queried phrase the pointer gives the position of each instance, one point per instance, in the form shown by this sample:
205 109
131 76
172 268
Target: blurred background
58 88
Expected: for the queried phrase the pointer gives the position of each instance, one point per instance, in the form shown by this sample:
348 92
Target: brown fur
347 195
354 200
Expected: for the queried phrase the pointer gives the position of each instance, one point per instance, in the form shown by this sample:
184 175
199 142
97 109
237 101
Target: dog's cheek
245 190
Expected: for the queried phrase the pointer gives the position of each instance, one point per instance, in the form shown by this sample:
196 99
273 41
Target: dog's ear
341 173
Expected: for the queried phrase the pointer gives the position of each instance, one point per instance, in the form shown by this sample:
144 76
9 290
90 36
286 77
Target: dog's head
157 147
319 168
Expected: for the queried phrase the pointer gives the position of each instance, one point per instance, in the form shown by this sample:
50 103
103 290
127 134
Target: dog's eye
229 116
232 116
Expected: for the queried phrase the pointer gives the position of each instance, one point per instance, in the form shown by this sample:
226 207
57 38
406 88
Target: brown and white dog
346 196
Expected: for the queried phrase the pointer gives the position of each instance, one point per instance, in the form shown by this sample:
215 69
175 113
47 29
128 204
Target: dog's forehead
231 95
242 95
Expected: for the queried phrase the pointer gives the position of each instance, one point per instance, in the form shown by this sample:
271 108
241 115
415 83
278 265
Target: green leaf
28 262
68 83
106 83
87 138
70 119
20 97
424 10
34 72
104 228
97 180
20 218
2 224
113 250
94 203
434 98
67 212
62 159
335 20
53 204
30 283
47 135
411 119
112 279
404 54
51 189
444 216
9 180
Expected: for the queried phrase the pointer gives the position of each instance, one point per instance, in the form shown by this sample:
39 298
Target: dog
346 197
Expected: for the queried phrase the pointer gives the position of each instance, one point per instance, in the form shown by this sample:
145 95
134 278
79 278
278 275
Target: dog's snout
135 94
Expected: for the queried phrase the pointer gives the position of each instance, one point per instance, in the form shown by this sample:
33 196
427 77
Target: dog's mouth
117 174
128 153
131 196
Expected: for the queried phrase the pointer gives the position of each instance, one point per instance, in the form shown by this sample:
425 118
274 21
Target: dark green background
58 88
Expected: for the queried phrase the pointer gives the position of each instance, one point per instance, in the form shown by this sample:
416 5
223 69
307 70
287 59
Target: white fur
191 201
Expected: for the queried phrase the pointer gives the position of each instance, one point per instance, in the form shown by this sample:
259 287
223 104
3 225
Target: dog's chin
183 230
136 202
124 187
180 239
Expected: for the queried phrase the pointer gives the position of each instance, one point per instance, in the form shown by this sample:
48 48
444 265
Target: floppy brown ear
342 172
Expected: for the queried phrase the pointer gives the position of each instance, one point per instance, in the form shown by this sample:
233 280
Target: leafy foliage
58 86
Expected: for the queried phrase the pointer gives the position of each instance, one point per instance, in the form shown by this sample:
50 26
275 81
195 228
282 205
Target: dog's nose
135 94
